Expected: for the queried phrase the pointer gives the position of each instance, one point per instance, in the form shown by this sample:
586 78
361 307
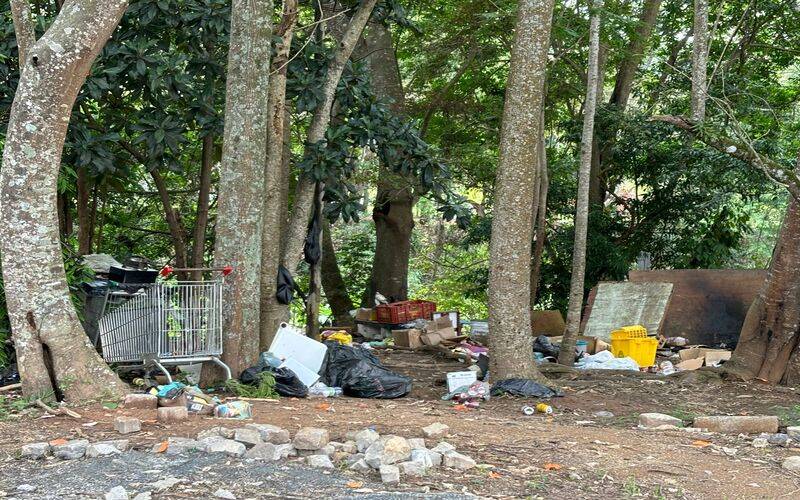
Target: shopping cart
170 322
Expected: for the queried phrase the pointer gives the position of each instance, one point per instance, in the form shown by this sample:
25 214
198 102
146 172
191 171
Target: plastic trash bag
542 344
604 360
360 374
286 382
523 387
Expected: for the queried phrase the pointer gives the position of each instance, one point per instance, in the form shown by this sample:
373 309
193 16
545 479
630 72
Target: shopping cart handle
225 270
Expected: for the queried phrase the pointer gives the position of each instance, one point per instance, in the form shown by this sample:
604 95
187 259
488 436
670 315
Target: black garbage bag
286 382
542 344
360 374
523 387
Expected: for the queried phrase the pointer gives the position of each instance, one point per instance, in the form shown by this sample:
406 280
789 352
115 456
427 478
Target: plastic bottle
320 390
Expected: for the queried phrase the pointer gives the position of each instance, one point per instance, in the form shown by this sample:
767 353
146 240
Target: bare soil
571 452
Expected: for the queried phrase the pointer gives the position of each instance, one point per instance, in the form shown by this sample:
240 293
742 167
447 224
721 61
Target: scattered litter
523 387
604 360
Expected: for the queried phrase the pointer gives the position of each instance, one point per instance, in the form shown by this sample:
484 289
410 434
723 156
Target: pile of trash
177 394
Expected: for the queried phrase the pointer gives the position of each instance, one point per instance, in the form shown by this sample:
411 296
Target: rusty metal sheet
708 306
618 304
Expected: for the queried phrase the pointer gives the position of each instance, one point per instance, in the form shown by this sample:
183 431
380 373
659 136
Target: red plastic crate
403 312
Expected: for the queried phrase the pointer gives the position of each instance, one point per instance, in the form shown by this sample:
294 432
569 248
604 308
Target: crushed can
544 408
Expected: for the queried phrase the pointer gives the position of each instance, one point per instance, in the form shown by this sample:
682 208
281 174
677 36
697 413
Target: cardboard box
447 333
431 338
407 338
444 322
365 314
460 379
695 357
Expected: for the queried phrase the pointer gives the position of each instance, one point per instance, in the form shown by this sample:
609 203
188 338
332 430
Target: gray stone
443 447
170 414
436 458
456 460
287 450
348 447
436 430
395 449
760 442
35 451
166 483
412 468
26 488
117 493
227 446
652 420
792 463
390 474
327 450
374 454
120 444
340 456
365 438
779 439
271 433
248 437
142 401
222 493
360 465
127 425
180 445
310 438
794 432
603 414
320 461
101 450
145 495
424 457
71 449
350 460
416 443
216 432
265 451
738 424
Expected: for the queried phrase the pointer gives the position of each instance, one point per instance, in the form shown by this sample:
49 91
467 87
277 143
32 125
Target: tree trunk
511 342
394 203
333 283
54 354
64 216
24 28
699 60
241 178
203 196
567 354
85 225
541 219
597 192
304 194
276 193
176 230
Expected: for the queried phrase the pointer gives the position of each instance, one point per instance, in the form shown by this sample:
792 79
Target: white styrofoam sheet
305 374
289 343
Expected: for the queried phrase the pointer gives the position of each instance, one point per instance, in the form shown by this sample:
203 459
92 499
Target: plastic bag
523 387
286 382
240 410
542 344
360 374
604 360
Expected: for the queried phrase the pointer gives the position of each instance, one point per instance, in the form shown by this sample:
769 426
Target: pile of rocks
362 451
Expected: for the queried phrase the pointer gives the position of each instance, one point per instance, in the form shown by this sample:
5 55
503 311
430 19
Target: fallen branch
61 410
10 387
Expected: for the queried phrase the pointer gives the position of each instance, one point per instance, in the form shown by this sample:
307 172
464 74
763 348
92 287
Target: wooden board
618 304
708 306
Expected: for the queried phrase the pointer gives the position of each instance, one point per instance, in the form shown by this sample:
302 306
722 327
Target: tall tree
512 223
576 287
394 202
699 60
241 178
53 352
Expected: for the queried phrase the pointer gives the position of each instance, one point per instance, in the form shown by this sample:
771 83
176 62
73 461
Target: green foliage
265 388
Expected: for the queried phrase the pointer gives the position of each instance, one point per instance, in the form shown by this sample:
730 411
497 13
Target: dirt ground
572 452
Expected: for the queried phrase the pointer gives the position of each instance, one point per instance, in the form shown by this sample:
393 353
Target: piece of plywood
618 304
708 306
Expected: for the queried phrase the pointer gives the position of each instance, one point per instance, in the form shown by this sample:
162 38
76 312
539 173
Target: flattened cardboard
407 338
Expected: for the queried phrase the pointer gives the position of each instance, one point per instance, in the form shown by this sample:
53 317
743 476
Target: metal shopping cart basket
171 322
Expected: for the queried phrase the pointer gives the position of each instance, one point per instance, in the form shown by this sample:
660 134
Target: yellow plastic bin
633 342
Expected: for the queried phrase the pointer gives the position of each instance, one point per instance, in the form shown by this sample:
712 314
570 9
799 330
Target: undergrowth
264 390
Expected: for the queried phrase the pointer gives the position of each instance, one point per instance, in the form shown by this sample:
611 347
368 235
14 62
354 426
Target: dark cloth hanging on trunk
287 287
312 249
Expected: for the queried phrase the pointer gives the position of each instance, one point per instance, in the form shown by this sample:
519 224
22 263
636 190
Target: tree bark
333 283
23 28
276 193
241 184
576 288
541 219
394 203
699 60
54 354
64 216
511 342
176 230
85 226
304 194
203 196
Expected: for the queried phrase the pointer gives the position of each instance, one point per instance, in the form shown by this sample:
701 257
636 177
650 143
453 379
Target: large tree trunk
511 342
567 354
24 28
541 218
241 183
699 60
333 283
276 194
84 209
203 197
394 203
53 352
176 230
